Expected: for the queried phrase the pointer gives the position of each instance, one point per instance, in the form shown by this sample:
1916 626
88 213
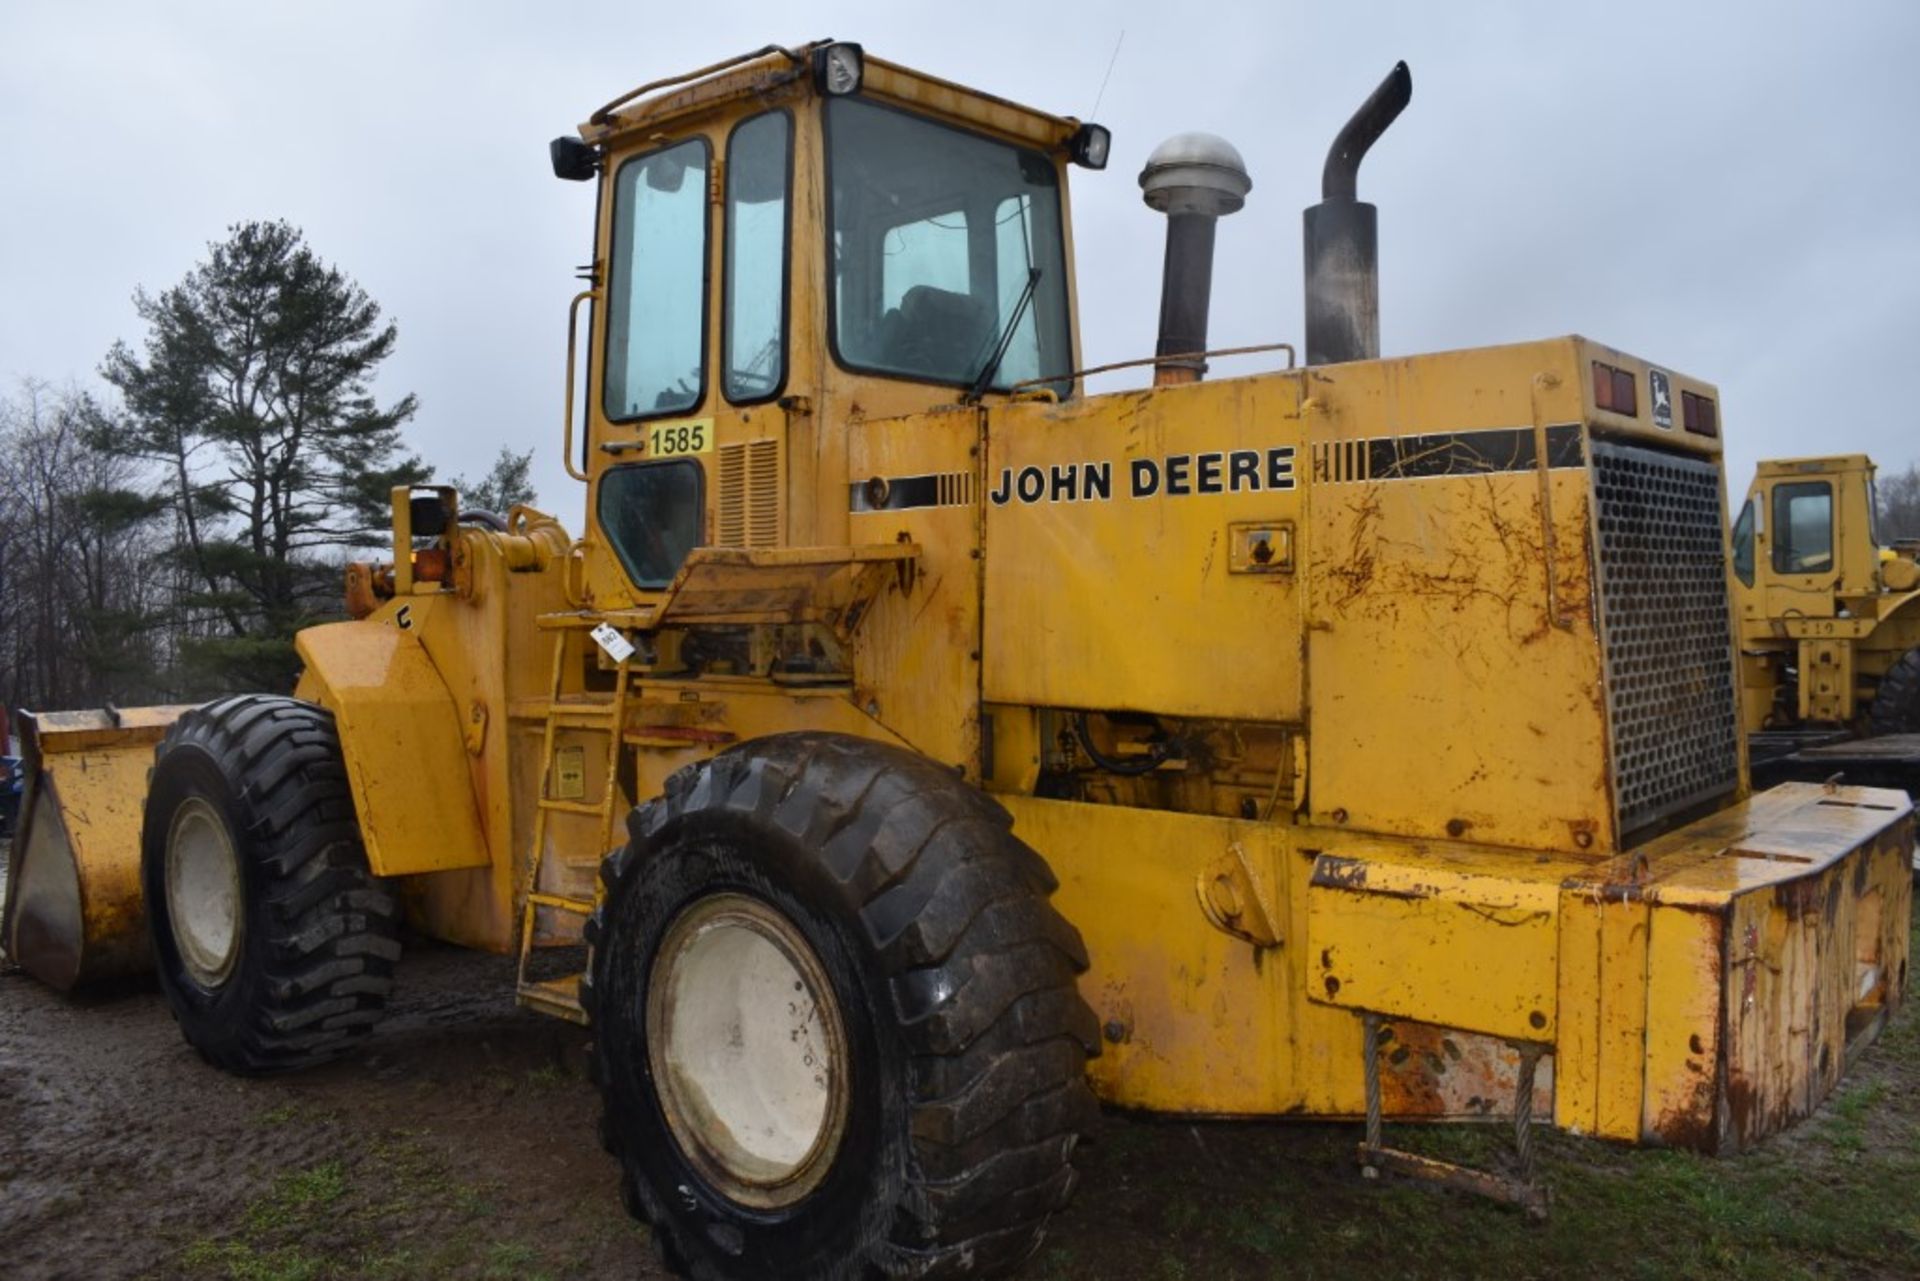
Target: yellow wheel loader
923 747
1829 621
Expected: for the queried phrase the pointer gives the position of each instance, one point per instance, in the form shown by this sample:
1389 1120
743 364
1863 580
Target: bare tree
1899 496
82 608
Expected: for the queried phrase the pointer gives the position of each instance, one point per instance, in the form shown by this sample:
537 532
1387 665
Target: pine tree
507 484
253 392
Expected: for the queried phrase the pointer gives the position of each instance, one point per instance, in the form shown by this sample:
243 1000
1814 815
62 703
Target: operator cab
1798 545
787 242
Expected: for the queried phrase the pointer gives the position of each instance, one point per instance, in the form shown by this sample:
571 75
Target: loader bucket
73 913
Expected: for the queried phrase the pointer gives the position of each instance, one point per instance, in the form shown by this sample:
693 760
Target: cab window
755 338
656 284
1743 545
651 515
1803 527
936 236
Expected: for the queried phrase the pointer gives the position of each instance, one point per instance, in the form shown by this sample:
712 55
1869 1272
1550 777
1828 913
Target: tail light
1614 390
1700 414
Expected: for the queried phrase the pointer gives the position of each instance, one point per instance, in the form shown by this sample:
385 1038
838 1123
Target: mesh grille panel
1663 607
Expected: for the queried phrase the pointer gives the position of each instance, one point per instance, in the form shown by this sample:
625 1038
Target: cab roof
776 69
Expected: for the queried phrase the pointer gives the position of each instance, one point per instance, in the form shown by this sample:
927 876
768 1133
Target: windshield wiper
985 377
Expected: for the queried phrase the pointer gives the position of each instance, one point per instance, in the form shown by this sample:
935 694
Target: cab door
1796 546
687 438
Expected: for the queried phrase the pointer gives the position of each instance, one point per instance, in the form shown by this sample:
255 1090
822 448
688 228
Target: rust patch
1429 1071
1690 1125
1341 873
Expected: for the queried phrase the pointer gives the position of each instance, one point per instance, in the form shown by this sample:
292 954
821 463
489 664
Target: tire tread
332 928
984 981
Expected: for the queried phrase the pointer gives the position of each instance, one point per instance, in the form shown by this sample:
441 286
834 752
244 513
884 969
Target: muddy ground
459 1143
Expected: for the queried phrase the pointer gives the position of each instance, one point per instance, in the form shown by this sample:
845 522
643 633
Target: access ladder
561 996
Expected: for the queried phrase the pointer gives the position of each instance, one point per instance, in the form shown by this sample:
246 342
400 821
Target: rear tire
274 943
934 1002
1896 703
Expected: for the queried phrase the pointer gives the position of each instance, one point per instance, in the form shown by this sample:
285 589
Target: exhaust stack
1343 236
1195 179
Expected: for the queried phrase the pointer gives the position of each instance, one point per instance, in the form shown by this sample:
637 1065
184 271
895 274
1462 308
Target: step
578 906
573 807
559 996
580 711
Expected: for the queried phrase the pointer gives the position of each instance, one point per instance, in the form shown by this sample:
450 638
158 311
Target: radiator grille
1666 630
748 508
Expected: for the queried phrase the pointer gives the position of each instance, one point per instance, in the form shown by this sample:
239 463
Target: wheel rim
747 1050
203 893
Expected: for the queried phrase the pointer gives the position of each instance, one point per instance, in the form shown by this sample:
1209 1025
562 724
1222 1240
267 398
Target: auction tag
608 638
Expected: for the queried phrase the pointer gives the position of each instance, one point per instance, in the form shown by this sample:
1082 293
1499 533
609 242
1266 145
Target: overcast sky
1728 189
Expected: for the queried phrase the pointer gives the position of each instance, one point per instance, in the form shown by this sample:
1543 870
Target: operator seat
936 331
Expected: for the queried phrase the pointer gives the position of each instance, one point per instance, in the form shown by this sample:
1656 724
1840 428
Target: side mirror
573 160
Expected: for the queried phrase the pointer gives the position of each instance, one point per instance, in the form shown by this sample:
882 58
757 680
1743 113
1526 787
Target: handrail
601 116
573 324
1293 359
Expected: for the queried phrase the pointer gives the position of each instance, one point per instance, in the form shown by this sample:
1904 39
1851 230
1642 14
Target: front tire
274 943
837 1031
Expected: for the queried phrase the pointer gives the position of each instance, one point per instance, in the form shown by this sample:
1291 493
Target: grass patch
510 1261
297 1197
397 1206
240 1261
1837 1196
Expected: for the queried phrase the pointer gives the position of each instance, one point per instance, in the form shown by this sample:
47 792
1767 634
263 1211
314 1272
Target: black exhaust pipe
1343 236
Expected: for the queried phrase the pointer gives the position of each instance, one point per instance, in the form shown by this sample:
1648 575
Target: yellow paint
1375 928
1115 599
74 912
1840 624
398 724
674 439
1621 959
1603 1004
1344 648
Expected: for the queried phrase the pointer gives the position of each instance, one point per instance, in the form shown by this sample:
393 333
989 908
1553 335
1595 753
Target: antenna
1097 98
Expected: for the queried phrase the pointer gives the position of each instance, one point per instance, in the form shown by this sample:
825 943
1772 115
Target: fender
1904 608
399 727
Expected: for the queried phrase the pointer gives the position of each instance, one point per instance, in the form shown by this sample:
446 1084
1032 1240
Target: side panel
1120 571
1200 1021
1374 929
916 653
1600 1058
1451 638
1813 967
405 748
1195 1019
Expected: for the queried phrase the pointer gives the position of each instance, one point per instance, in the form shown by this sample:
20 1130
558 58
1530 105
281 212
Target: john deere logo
1661 394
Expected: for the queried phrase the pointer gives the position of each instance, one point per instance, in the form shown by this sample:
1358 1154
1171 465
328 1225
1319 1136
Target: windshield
934 233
